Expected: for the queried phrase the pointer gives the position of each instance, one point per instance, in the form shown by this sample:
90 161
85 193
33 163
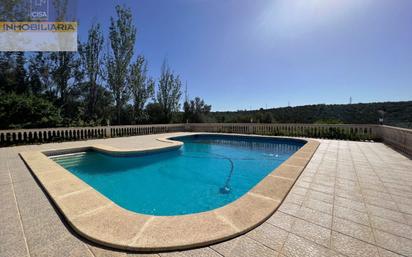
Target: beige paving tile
13 251
243 247
282 220
402 200
352 229
312 232
386 213
346 175
352 247
7 203
386 253
319 206
341 181
352 215
348 187
408 219
350 204
299 190
296 246
348 194
65 247
377 194
20 174
43 231
399 189
393 243
34 205
289 208
324 181
381 202
11 236
392 227
32 201
315 195
322 188
294 198
4 178
316 217
269 235
371 182
304 184
405 208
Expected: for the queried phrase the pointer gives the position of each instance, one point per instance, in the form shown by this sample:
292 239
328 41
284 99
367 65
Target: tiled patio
353 199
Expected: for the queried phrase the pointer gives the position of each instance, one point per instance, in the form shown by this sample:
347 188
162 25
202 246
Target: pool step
69 160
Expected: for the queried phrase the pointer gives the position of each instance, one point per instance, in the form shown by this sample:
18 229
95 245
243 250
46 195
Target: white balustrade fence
399 138
340 131
27 136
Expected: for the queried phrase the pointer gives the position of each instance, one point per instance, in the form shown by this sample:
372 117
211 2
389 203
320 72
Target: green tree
34 78
7 72
267 118
44 67
64 73
90 53
27 111
195 110
155 113
13 74
122 36
104 105
169 93
21 75
38 73
141 87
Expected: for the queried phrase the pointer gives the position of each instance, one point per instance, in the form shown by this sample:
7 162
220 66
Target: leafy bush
27 111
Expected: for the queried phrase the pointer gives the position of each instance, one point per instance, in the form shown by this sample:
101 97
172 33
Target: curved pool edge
100 220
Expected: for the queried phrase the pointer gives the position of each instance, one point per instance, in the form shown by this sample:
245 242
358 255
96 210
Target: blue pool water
207 172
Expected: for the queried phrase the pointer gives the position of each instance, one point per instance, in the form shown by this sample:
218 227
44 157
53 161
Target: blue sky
242 54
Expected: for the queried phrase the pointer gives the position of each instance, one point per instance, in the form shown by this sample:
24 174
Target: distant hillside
396 114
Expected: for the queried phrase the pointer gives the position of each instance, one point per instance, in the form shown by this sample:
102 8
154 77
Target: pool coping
100 220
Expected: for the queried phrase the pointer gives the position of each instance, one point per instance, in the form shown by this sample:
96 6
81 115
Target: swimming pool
207 172
97 214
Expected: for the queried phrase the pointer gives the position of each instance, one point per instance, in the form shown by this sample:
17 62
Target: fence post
108 131
250 129
187 127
